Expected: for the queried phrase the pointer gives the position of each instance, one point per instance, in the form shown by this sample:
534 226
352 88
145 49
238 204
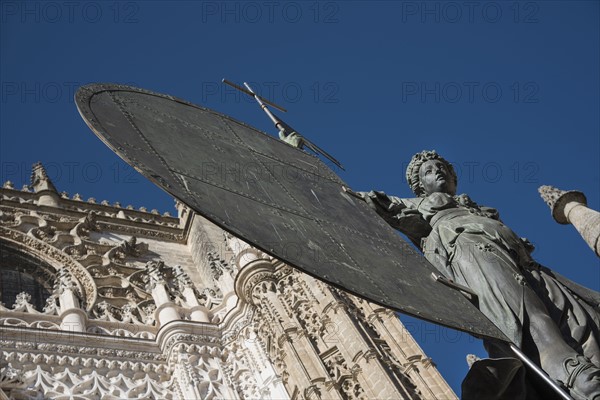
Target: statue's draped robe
470 245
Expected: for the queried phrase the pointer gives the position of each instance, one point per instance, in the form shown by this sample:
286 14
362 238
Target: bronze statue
553 320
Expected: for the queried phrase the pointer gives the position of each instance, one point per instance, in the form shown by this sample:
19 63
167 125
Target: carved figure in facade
554 321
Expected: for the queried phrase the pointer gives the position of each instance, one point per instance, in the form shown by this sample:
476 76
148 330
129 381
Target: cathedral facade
112 302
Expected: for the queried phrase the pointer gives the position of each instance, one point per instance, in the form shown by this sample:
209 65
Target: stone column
570 207
256 284
166 310
73 318
198 312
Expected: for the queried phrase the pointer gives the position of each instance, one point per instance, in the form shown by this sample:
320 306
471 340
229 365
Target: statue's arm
382 203
401 214
388 207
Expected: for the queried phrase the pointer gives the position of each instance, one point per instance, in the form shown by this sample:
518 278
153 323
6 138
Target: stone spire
43 186
570 207
73 318
39 179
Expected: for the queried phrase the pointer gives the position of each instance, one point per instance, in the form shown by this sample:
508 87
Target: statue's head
428 172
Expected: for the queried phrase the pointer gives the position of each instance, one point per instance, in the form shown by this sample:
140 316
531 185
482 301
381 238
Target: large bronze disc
274 196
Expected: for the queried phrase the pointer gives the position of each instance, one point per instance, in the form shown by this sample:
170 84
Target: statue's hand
370 199
385 205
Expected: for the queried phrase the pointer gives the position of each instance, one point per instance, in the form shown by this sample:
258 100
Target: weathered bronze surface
551 319
276 197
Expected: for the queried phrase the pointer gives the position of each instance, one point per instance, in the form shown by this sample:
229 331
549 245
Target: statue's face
435 177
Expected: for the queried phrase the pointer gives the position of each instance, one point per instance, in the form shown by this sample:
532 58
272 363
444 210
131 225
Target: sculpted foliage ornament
22 303
64 281
52 307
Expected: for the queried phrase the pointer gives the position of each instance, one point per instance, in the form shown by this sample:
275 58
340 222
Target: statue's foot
583 378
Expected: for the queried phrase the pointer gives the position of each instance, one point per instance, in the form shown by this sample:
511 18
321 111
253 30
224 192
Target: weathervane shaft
286 132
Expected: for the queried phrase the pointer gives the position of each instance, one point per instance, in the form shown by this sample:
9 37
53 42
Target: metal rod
275 120
539 372
251 93
450 283
325 154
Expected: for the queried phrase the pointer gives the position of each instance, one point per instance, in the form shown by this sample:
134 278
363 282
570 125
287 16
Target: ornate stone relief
265 327
73 383
343 377
218 265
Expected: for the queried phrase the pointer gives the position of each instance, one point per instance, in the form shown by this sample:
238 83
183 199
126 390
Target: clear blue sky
508 91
